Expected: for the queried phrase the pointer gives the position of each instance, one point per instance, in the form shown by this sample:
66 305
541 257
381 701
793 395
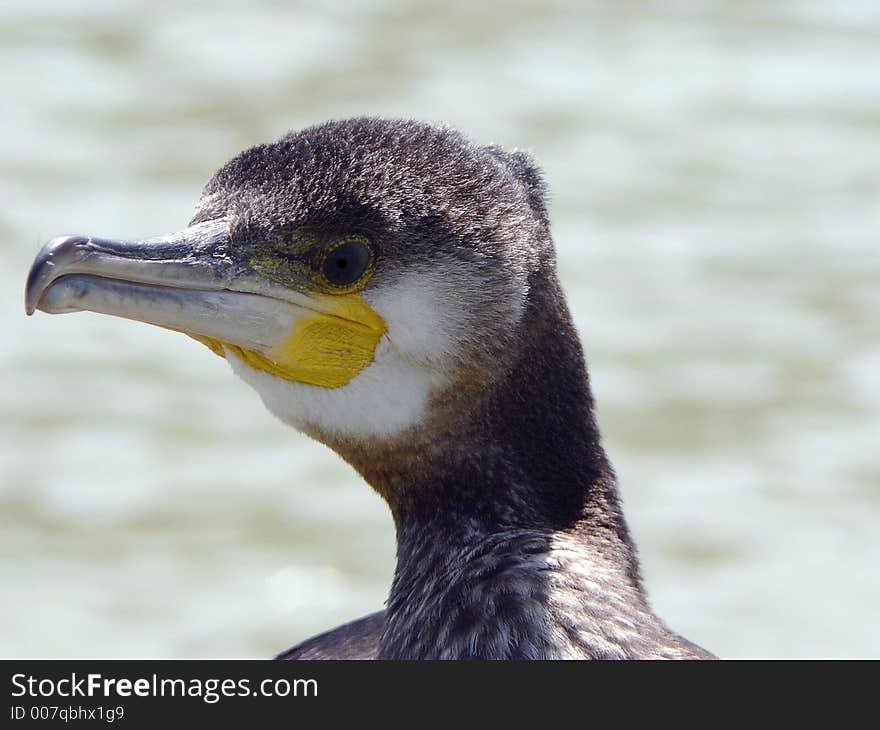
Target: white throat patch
389 395
431 317
382 400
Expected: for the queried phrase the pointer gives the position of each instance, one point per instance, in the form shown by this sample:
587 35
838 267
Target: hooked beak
191 282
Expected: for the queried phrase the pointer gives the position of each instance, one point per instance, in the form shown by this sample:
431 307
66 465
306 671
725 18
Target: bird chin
382 401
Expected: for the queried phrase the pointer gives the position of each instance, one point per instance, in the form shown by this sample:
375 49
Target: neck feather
495 499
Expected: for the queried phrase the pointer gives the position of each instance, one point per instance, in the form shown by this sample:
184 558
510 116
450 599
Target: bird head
368 278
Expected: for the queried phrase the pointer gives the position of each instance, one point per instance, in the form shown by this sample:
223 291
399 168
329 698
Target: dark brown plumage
511 541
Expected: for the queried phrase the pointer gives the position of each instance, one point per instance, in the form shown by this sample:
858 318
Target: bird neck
478 530
522 451
460 593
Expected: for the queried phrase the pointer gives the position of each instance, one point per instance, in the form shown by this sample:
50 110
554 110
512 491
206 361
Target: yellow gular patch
323 348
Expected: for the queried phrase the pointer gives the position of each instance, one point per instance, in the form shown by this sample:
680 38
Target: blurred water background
715 179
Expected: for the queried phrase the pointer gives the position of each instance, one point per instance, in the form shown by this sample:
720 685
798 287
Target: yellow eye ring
346 265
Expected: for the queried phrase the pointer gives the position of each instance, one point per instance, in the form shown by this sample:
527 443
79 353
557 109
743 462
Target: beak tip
59 250
32 293
30 298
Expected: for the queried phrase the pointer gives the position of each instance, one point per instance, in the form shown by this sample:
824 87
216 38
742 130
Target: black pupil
346 263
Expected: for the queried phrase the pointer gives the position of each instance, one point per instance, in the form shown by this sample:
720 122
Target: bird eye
346 263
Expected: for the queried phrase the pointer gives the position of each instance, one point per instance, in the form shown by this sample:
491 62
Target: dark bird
389 288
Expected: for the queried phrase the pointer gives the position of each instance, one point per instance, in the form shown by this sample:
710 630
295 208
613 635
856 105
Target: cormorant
389 288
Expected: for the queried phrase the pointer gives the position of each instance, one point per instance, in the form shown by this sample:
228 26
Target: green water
715 178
